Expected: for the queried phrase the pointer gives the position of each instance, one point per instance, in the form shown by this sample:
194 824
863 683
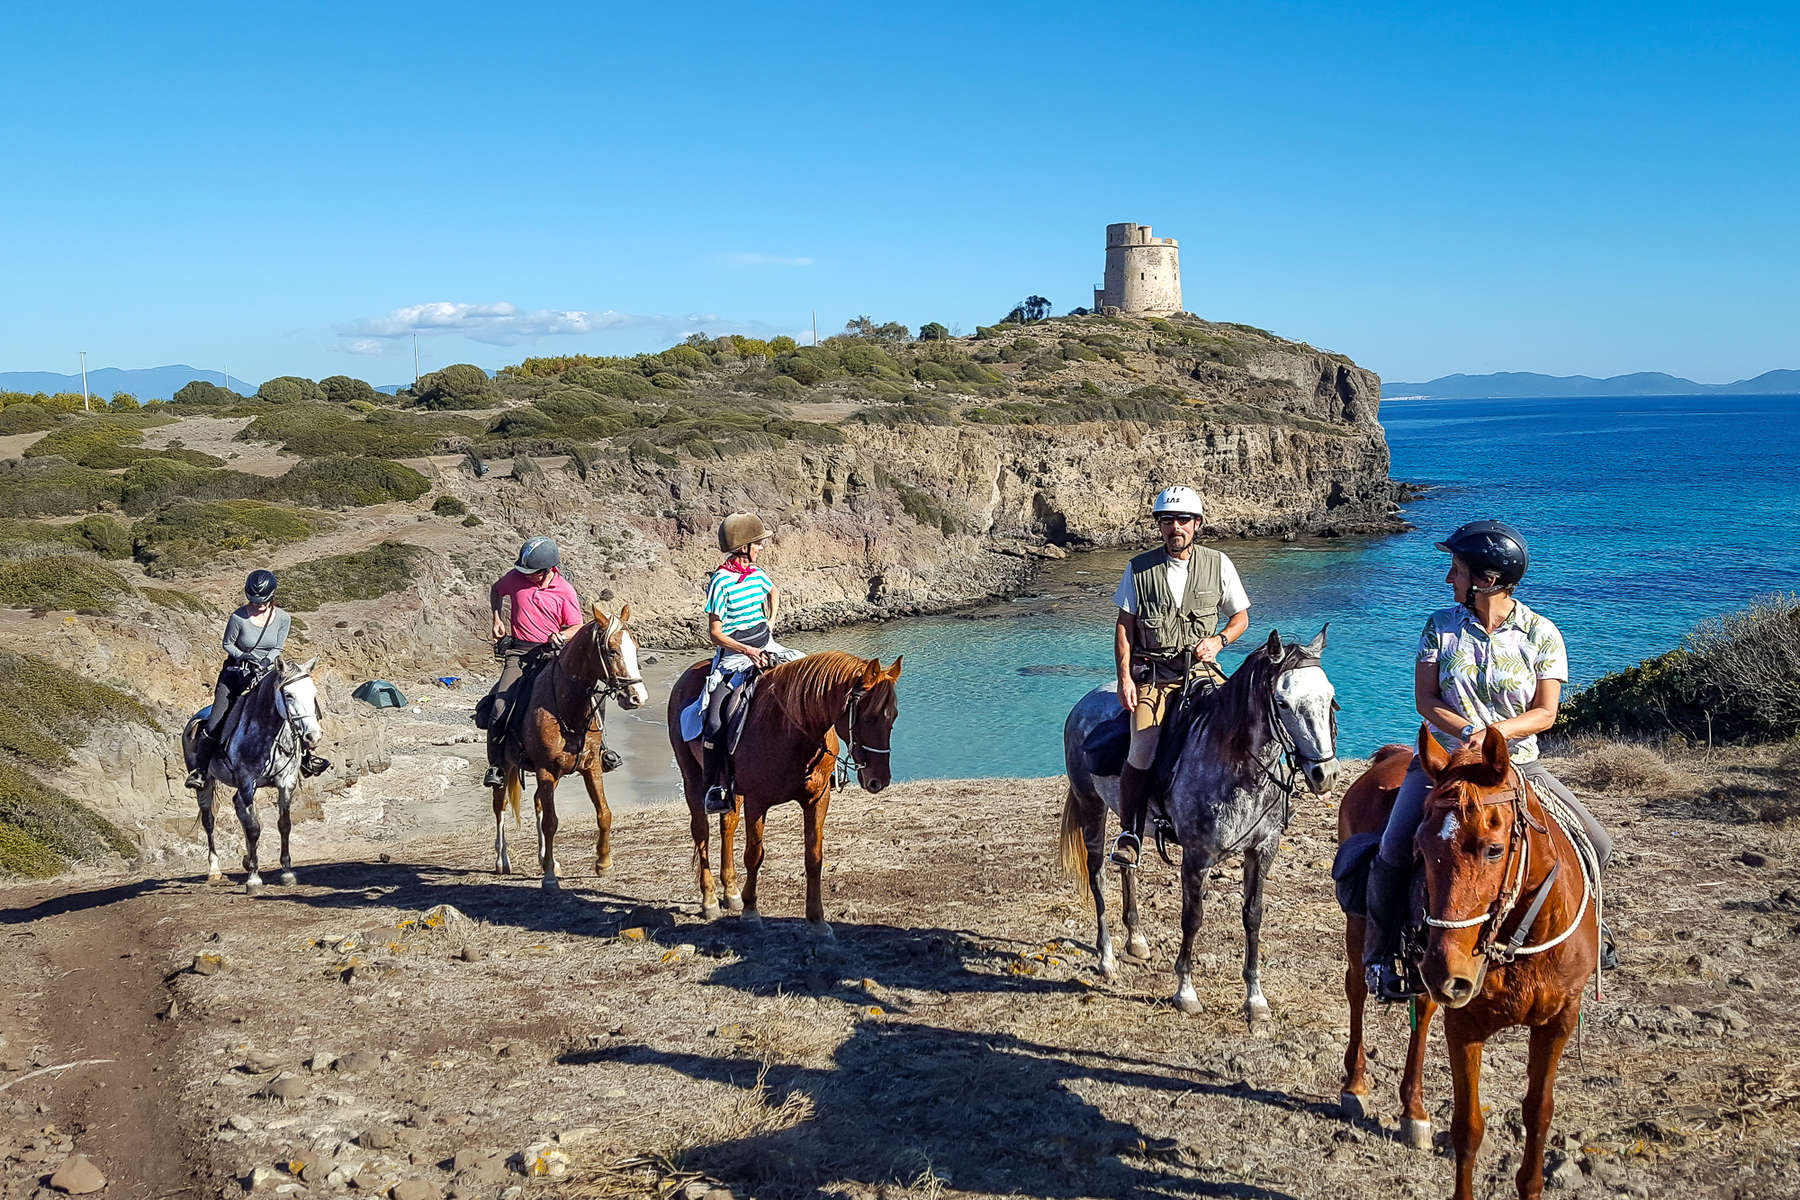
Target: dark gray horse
269 728
1230 792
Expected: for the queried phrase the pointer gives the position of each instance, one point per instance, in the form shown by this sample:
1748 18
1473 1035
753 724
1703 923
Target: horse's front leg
284 821
1194 868
205 798
244 800
1547 1042
545 803
596 790
502 864
1257 861
1353 1097
728 872
1467 1125
753 856
1415 1122
815 862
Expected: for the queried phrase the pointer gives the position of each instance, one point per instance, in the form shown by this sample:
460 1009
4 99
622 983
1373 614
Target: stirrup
495 777
1387 985
609 759
196 778
1126 853
312 765
1609 950
718 800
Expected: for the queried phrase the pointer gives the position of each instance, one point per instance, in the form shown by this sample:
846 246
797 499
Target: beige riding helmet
739 530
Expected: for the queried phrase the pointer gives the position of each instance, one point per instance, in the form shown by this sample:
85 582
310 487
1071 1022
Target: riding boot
204 744
1134 801
1388 898
718 794
496 772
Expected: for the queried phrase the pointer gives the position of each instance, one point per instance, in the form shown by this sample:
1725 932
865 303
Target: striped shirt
739 601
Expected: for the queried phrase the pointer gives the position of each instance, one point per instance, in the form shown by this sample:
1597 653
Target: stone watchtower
1143 273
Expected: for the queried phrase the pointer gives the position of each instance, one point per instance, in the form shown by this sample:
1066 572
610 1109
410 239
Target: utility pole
415 362
815 326
84 394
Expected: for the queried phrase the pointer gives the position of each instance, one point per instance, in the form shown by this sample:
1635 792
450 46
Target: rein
1518 867
844 762
609 683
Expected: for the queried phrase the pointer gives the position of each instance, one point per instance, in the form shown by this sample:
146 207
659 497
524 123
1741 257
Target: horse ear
625 615
600 617
1494 755
1433 758
306 668
1316 647
1273 646
893 672
872 672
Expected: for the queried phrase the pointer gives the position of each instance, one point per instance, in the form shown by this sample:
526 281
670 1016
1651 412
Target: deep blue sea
1644 516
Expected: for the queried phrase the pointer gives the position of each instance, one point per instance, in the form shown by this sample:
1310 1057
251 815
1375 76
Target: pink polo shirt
538 612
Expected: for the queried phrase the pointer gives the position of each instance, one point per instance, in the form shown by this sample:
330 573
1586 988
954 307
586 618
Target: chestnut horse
801 711
1512 934
564 730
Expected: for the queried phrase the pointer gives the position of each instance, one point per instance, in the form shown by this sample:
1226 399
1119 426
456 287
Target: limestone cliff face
909 518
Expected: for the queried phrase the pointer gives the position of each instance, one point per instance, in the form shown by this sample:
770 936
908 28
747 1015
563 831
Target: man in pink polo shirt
535 611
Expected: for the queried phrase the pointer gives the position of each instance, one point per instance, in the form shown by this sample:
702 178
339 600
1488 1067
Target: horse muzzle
1454 984
1321 777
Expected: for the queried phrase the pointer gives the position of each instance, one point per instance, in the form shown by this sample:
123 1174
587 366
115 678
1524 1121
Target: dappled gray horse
270 727
1230 792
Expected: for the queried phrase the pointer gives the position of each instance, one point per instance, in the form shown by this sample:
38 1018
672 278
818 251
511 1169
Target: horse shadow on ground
977 1112
72 902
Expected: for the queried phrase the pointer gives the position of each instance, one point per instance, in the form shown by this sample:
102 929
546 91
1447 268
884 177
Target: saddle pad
1104 748
1350 872
692 718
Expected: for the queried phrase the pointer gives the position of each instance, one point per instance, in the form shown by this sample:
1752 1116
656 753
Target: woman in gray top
254 638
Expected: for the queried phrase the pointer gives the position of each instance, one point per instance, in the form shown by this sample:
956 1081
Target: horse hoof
1416 1134
602 866
1187 1002
1137 946
709 912
287 879
550 884
751 917
1354 1106
216 877
253 886
734 902
1109 968
821 930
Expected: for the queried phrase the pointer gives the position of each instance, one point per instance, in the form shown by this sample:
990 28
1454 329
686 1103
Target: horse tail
1074 844
514 786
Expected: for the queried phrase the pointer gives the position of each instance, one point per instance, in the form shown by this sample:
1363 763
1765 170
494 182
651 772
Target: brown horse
1364 809
564 731
800 713
1513 934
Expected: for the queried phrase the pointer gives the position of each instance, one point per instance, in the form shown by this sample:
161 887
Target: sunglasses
1169 520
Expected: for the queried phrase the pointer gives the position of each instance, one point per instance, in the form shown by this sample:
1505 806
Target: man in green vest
1171 601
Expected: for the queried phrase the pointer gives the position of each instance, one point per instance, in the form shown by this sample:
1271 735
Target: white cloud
365 346
503 324
751 258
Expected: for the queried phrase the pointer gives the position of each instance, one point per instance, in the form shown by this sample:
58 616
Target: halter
293 724
1518 866
846 760
608 684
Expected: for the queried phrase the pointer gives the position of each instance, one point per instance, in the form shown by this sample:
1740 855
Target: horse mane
580 655
803 687
1235 707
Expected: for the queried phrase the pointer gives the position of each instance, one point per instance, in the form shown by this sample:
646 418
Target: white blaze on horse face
1451 827
628 652
1308 694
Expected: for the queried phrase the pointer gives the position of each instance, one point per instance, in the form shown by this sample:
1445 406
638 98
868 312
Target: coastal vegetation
362 575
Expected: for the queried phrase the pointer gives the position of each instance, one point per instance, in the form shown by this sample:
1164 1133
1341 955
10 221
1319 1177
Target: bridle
846 759
1518 793
293 722
1290 755
608 684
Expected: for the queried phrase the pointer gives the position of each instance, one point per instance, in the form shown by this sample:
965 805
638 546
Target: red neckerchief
743 570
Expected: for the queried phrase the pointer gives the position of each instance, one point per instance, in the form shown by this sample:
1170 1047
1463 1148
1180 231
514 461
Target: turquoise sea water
1645 516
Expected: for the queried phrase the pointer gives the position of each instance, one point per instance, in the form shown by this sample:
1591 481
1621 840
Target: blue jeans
1409 809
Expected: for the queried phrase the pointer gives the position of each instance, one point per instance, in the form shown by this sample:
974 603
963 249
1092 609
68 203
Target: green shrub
197 533
623 385
26 418
201 394
54 489
364 575
666 380
151 481
291 389
177 599
59 581
105 535
931 331
926 509
471 521
458 386
49 709
342 389
350 480
324 430
41 829
448 506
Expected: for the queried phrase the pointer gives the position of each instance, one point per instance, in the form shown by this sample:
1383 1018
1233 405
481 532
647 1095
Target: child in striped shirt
741 601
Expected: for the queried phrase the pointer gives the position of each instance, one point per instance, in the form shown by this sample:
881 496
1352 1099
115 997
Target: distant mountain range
146 383
1521 385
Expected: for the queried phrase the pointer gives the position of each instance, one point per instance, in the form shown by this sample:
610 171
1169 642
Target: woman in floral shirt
1488 662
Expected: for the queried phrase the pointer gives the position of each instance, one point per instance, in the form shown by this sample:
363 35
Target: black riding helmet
260 587
1490 546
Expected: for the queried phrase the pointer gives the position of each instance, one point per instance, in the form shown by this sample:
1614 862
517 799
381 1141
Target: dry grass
1622 767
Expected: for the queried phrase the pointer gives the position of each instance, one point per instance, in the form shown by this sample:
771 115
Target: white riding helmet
1179 501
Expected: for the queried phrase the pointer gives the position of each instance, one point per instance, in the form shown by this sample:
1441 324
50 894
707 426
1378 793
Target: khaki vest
1168 626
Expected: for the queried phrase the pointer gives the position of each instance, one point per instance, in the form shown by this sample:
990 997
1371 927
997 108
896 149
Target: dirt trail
954 1038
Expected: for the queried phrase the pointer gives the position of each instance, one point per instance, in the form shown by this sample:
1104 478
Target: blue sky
295 189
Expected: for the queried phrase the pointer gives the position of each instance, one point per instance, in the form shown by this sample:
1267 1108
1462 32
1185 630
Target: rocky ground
403 1022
